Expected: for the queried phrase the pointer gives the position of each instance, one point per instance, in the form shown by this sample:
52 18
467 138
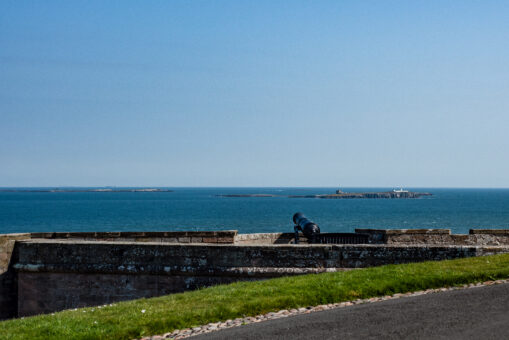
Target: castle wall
61 274
46 272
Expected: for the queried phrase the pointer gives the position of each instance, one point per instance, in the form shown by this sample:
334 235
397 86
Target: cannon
310 229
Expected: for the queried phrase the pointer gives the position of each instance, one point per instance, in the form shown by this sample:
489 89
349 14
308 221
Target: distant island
400 193
248 195
385 194
87 190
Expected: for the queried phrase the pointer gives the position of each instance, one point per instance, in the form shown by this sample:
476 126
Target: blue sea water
200 209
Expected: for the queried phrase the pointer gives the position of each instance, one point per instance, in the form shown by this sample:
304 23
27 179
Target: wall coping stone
134 234
403 231
14 235
264 235
489 231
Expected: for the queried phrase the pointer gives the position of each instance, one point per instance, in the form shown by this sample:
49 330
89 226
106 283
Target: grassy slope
163 314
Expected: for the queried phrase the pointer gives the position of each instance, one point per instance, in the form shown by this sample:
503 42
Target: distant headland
87 190
400 193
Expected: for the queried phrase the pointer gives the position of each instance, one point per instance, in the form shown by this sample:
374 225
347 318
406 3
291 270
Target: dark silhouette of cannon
310 229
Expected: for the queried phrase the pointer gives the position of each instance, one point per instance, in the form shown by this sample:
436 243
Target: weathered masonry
46 272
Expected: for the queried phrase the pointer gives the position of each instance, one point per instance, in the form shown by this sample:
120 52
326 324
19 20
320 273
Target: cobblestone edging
211 327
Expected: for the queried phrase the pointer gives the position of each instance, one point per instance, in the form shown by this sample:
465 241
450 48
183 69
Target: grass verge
133 319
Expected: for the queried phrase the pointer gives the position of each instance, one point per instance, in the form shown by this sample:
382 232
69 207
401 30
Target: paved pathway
477 313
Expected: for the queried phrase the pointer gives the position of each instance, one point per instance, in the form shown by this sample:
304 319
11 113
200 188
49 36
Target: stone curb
211 327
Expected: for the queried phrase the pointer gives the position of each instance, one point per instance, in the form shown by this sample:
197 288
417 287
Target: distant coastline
87 190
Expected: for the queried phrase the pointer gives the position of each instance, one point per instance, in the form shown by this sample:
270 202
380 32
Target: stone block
42 235
490 231
225 239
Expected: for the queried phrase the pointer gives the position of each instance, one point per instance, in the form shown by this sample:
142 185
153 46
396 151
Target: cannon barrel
308 228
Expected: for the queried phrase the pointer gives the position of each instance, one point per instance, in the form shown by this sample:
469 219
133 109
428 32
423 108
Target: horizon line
261 187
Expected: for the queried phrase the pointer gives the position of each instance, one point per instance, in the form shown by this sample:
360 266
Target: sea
201 209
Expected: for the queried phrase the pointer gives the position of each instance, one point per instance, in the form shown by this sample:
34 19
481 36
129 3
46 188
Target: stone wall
60 274
487 237
267 238
408 236
224 236
8 279
45 272
45 292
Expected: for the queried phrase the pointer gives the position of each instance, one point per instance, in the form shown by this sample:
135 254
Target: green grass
163 314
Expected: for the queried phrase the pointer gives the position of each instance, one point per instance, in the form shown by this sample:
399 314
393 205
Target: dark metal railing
341 238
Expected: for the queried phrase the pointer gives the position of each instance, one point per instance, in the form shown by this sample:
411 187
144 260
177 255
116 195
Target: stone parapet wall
374 236
490 231
481 237
9 279
407 236
225 236
395 236
60 274
489 236
45 272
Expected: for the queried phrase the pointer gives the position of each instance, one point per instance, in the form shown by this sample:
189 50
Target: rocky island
345 195
385 194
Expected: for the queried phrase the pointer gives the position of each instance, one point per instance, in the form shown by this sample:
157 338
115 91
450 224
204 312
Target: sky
254 93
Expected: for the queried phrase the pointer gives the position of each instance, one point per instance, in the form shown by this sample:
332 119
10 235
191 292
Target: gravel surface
368 320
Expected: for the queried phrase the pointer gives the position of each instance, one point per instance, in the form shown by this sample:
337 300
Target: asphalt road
476 313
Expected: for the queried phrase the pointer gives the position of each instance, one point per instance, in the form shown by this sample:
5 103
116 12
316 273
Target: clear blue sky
254 93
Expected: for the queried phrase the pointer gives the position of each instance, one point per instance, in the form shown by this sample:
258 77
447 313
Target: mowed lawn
137 318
